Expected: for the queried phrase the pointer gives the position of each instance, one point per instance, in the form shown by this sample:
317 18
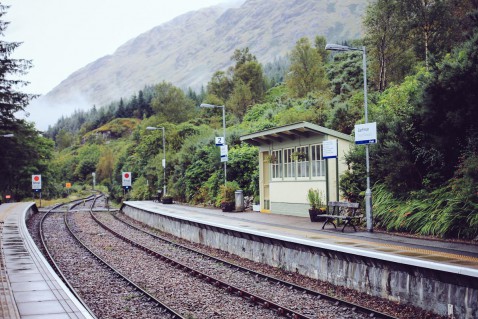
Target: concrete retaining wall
441 292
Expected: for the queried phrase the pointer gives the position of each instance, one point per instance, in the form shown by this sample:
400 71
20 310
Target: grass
441 213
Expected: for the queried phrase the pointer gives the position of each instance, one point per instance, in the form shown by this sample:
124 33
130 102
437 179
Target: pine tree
11 100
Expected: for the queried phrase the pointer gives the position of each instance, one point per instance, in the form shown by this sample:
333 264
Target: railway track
211 270
99 286
153 277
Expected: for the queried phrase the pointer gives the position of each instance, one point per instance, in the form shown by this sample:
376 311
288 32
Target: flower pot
315 213
256 208
167 200
228 206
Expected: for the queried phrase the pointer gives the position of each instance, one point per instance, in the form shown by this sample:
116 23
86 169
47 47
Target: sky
62 36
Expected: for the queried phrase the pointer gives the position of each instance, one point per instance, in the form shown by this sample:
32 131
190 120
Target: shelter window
317 161
302 158
276 164
289 163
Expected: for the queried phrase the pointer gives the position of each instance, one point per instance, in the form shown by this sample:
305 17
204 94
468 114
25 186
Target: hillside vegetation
423 75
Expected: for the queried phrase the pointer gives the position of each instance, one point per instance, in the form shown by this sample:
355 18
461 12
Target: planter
314 215
228 206
256 208
167 200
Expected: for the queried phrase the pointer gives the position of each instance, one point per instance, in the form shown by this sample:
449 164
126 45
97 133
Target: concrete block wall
436 291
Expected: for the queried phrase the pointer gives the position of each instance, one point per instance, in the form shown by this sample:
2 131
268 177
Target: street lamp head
8 135
338 47
210 105
152 128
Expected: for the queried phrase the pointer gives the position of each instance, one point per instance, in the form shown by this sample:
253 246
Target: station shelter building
291 162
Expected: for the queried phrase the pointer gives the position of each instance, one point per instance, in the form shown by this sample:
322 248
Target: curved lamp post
164 155
368 191
224 130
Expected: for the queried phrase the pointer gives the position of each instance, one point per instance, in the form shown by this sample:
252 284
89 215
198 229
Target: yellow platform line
396 248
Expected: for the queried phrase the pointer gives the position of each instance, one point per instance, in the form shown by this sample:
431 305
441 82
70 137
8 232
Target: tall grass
442 213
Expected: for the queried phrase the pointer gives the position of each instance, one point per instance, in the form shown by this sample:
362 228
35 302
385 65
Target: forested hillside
422 74
187 50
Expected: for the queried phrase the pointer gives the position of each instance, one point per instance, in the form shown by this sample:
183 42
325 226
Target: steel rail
50 259
131 283
280 310
337 301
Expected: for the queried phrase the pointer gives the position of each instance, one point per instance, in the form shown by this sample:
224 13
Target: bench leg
349 222
329 221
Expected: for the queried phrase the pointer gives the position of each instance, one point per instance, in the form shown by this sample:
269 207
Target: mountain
190 48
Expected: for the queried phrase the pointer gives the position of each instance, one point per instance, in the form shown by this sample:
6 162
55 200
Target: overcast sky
61 36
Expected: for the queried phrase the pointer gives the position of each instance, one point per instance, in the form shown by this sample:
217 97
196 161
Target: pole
337 172
368 191
224 132
327 186
164 160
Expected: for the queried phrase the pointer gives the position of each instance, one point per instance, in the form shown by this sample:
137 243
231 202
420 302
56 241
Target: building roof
291 132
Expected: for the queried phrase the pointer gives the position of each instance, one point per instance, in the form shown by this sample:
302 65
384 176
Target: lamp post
368 191
164 155
224 130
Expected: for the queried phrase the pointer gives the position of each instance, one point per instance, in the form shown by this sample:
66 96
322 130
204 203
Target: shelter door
266 204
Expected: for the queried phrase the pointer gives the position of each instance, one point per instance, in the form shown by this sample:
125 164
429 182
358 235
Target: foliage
400 34
27 152
140 189
442 213
315 198
423 168
171 103
306 72
227 193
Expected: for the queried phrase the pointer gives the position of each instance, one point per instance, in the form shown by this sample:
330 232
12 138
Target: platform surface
455 257
29 287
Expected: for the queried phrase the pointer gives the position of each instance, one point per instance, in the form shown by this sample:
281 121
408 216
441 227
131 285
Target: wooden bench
341 210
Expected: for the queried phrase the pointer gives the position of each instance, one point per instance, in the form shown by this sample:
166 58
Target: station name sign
366 133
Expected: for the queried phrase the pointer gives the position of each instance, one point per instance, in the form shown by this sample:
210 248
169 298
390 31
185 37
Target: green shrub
227 193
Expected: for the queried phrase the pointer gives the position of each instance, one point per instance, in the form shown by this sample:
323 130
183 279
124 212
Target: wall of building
431 290
289 197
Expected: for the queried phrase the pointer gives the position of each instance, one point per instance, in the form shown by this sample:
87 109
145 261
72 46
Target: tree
307 71
240 100
171 103
11 100
220 86
449 112
391 57
320 43
64 139
27 152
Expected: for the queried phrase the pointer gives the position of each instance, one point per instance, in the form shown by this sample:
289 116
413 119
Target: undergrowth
445 212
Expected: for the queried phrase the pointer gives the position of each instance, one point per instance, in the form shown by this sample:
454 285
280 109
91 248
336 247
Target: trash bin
239 196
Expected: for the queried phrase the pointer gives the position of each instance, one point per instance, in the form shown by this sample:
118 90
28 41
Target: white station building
291 161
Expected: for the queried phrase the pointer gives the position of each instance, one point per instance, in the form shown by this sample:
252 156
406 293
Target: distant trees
27 152
401 32
307 72
241 86
171 103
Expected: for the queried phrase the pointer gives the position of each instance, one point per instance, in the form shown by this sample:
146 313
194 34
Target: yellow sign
68 185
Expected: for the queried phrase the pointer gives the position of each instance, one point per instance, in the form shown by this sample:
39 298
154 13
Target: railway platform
456 257
441 276
29 286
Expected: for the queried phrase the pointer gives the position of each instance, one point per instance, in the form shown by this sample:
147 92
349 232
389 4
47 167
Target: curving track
128 272
104 290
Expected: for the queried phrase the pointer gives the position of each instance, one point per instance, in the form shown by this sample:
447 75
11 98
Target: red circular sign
36 178
126 175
